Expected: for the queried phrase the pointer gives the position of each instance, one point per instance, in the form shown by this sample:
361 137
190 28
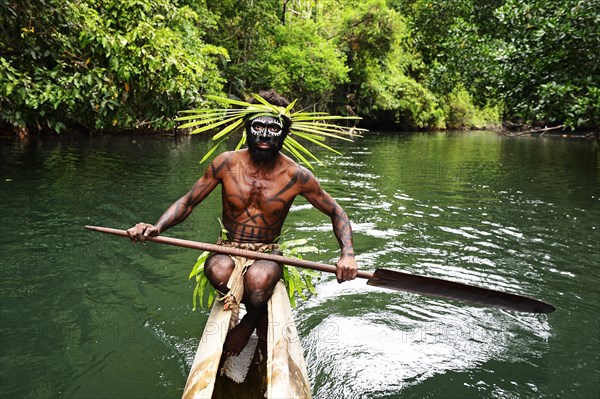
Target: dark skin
256 196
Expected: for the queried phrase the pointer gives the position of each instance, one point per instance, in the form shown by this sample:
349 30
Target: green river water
86 315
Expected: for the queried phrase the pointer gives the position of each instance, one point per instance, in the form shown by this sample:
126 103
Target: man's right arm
320 199
183 207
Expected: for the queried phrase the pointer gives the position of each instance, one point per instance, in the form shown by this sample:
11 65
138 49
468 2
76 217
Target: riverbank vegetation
103 65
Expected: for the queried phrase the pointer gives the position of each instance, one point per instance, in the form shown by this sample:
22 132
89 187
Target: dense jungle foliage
401 64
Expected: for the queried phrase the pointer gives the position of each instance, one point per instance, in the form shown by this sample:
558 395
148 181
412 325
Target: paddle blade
461 292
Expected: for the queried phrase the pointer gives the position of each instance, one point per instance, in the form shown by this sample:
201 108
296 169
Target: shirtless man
259 185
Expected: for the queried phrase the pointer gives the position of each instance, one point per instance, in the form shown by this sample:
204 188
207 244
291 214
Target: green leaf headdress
313 127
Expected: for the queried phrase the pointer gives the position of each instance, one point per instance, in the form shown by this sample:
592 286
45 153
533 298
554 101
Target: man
259 185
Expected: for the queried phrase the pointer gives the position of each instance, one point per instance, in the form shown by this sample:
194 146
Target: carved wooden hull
285 371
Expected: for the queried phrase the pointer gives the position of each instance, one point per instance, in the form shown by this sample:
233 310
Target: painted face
266 126
265 138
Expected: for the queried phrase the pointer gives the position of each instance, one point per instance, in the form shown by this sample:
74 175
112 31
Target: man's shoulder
224 161
288 165
229 157
294 171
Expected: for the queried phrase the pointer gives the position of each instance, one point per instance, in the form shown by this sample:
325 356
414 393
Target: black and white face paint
266 126
265 138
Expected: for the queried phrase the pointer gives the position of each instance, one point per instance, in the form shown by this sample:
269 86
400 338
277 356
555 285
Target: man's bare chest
264 195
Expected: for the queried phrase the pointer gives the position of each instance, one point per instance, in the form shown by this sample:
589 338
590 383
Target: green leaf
317 140
224 231
309 284
210 125
291 288
290 106
228 100
211 297
209 153
199 264
299 156
314 116
297 279
194 296
300 147
274 108
241 142
203 114
319 128
292 243
306 249
321 132
228 129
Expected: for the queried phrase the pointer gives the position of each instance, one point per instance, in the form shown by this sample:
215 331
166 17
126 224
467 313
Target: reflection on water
84 315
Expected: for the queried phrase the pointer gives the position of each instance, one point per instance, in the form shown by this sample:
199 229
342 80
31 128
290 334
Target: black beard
263 155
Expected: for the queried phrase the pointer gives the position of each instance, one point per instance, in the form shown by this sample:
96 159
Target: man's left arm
320 199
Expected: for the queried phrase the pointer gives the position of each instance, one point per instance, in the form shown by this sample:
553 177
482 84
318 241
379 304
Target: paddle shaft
391 279
246 253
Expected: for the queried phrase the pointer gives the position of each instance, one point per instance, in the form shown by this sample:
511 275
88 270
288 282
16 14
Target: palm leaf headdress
313 127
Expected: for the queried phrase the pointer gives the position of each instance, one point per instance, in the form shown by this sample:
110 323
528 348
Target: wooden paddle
381 277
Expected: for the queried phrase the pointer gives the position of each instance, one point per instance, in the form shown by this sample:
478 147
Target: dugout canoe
285 372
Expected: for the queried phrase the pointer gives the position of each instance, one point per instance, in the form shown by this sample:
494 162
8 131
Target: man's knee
218 269
263 274
259 281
